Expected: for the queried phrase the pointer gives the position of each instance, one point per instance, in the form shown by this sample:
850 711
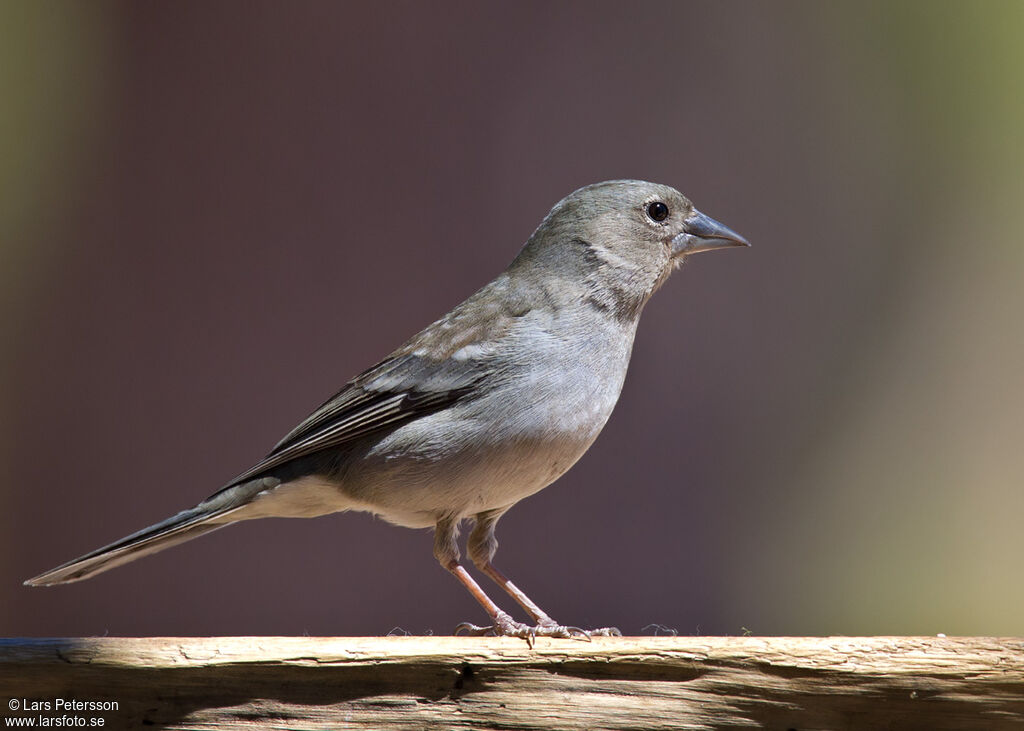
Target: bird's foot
505 626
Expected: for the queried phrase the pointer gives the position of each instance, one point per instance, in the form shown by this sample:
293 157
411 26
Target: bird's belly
483 456
418 491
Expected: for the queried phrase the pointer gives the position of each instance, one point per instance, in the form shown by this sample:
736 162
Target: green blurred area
906 516
55 70
55 67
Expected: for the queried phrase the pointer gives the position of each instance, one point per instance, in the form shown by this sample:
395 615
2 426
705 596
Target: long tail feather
208 516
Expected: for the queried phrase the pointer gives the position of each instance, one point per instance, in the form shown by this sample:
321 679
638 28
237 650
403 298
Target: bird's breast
536 417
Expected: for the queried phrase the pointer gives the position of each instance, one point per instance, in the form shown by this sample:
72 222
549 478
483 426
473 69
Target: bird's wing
403 387
448 361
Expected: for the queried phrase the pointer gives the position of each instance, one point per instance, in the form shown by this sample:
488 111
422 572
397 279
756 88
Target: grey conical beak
702 233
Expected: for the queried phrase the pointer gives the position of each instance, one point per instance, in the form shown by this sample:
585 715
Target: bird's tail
208 516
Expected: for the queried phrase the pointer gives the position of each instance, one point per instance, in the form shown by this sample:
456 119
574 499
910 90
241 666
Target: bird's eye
657 210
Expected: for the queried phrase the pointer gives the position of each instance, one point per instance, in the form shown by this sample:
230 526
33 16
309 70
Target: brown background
213 214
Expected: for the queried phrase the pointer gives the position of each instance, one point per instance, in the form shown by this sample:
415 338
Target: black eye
657 210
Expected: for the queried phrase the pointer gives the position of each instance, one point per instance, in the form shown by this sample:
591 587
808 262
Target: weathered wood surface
487 683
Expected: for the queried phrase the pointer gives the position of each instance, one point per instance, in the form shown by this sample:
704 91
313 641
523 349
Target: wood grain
489 683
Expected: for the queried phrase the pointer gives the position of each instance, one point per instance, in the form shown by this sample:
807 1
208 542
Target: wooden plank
302 683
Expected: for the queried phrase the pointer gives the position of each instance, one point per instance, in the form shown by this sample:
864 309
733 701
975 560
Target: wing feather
409 383
393 392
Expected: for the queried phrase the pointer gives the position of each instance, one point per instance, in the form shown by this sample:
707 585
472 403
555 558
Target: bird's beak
702 233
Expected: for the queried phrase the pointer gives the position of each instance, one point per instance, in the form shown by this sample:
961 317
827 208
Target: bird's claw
473 630
505 626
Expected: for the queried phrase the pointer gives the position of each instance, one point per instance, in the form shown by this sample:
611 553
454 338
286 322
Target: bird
481 409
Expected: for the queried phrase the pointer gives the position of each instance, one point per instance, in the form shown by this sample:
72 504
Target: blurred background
213 214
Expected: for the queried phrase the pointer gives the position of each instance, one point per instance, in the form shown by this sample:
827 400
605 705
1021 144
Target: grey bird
483 408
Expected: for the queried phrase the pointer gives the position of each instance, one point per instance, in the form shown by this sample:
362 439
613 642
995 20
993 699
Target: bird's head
622 239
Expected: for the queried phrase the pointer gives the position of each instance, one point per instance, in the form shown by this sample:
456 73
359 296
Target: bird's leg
446 550
539 615
482 545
